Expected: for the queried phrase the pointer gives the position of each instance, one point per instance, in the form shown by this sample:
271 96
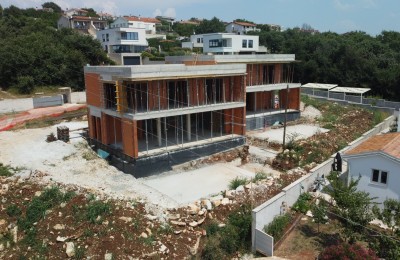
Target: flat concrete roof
319 86
164 71
241 58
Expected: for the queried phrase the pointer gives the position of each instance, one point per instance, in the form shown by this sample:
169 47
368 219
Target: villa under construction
150 117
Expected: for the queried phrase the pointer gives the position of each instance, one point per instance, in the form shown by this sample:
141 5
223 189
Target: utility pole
284 123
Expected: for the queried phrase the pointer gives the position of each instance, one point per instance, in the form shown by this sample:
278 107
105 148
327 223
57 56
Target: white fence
266 212
56 100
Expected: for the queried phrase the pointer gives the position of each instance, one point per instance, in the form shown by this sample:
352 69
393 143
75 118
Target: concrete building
137 22
241 28
82 24
377 162
269 85
155 116
224 43
123 45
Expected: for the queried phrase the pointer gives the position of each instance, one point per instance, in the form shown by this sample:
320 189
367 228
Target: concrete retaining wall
48 101
266 212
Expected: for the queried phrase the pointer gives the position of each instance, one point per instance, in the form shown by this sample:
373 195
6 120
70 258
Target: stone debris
59 227
61 239
70 249
108 256
178 223
126 219
143 235
225 201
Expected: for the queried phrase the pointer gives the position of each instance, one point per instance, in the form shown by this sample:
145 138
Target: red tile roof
142 19
387 143
86 18
244 23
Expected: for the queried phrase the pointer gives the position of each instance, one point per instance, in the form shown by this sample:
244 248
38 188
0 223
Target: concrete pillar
188 128
159 131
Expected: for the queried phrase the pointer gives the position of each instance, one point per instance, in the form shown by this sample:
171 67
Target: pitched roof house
377 162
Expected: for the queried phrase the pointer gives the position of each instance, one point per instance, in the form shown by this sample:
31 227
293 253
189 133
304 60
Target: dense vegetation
34 53
353 59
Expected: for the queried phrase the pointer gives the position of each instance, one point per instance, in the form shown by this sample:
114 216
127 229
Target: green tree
352 206
389 214
319 212
214 25
56 8
184 29
91 12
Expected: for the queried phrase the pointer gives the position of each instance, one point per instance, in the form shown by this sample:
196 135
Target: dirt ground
305 242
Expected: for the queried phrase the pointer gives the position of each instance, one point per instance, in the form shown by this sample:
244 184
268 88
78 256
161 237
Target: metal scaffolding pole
147 139
182 129
159 132
166 134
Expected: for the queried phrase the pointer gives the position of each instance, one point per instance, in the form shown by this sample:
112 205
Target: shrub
241 220
278 226
13 211
302 204
233 184
212 228
260 176
212 250
347 251
5 170
96 209
25 84
229 241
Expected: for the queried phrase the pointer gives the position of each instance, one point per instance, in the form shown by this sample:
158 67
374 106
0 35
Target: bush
25 84
278 226
13 211
212 250
96 209
302 204
5 171
260 176
229 241
347 251
233 184
212 228
241 220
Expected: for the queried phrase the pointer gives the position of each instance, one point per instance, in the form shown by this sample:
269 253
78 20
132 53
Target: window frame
379 177
250 43
244 43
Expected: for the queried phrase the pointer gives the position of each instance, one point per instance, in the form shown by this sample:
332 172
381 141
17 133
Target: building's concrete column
188 128
159 131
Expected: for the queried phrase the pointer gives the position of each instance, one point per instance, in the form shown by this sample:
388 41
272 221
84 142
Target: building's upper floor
241 27
224 43
149 24
83 23
122 40
174 88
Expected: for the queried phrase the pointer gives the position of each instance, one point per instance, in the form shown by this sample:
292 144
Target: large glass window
218 43
129 36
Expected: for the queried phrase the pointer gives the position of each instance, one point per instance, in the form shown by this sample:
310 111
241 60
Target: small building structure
123 45
82 24
376 162
137 22
241 28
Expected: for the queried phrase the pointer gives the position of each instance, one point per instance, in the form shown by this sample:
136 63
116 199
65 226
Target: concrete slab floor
301 131
186 187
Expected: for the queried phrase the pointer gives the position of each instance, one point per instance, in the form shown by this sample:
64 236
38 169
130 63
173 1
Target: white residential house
225 43
137 22
75 11
123 45
241 27
377 162
83 24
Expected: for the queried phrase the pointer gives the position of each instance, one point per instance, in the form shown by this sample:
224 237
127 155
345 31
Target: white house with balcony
376 162
229 43
241 27
137 22
225 43
123 45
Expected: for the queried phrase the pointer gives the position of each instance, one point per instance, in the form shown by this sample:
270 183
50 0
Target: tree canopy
56 8
34 53
214 25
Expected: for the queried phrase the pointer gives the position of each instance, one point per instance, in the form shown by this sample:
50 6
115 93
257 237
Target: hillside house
241 28
82 24
137 22
377 162
123 45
